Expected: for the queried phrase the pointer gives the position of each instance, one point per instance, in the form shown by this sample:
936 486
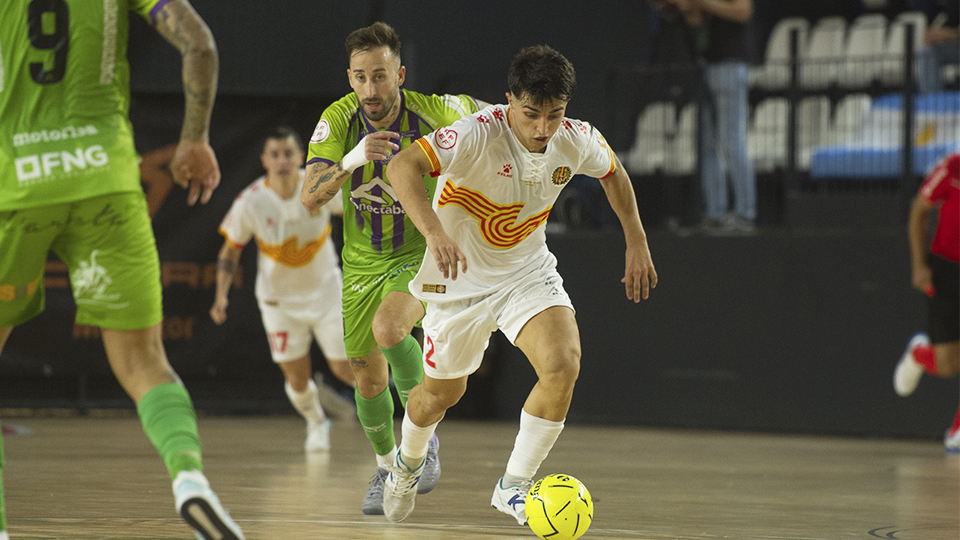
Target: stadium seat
863 56
767 135
682 150
774 73
820 64
848 117
655 126
813 127
892 72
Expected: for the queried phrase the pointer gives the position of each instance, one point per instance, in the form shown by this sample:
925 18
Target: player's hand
447 254
639 276
379 145
921 278
219 312
195 167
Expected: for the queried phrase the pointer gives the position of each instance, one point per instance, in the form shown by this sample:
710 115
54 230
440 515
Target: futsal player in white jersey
487 266
299 284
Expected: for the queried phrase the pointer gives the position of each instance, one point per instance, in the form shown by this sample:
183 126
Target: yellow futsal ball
559 507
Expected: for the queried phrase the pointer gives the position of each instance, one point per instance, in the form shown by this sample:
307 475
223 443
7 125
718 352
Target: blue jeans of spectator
930 62
725 143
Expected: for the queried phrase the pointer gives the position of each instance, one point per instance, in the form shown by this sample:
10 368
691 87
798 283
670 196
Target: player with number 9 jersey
77 141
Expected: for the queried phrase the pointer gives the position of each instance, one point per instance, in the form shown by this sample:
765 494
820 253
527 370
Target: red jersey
942 187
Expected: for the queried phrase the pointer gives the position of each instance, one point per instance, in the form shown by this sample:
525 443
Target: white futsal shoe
908 372
512 500
400 491
318 436
199 506
951 441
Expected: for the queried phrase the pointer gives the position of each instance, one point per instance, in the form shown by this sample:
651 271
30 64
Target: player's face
535 124
376 76
281 157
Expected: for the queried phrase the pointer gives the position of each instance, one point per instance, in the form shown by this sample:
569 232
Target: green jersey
64 98
376 229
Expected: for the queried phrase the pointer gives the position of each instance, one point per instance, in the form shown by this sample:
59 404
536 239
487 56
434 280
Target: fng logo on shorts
38 166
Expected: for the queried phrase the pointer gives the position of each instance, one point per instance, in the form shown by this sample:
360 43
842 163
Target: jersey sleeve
237 225
450 147
148 9
597 157
328 142
935 187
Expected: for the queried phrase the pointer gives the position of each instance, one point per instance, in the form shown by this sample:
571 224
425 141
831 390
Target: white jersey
296 260
493 197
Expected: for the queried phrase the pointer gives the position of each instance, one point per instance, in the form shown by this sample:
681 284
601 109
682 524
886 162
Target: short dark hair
282 133
378 34
540 74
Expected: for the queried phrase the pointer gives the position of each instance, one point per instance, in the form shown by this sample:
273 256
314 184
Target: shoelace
405 480
376 483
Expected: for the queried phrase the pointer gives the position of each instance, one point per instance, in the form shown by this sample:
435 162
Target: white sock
387 460
413 443
534 441
307 403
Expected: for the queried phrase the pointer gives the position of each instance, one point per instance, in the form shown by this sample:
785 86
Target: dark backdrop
797 329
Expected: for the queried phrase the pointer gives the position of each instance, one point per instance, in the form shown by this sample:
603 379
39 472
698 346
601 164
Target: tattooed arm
194 163
322 182
227 262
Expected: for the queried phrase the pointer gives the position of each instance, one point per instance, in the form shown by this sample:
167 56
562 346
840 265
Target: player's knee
388 333
561 372
370 382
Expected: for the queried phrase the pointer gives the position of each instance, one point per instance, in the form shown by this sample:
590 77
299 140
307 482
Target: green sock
376 417
406 363
170 423
3 509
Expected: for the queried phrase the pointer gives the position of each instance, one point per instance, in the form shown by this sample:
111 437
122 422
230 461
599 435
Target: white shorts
291 329
457 333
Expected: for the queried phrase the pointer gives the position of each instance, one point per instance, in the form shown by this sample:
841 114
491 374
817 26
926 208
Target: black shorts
943 310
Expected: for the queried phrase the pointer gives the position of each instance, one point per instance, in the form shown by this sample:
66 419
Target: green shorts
362 294
108 247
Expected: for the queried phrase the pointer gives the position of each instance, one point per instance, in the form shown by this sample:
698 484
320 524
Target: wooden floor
85 478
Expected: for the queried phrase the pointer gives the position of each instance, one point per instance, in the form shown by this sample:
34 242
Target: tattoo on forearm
333 174
227 266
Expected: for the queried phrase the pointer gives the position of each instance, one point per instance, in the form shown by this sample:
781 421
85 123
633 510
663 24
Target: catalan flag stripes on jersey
494 197
375 227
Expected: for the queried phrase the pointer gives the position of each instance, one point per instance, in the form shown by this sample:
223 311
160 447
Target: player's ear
509 98
401 75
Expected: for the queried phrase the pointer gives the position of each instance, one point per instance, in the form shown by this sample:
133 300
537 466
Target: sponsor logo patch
434 288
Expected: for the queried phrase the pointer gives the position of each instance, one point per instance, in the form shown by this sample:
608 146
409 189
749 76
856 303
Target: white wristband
356 157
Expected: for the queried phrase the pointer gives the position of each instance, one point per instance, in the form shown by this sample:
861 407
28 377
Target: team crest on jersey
446 138
561 175
321 133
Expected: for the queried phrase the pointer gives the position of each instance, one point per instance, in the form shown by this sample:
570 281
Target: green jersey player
69 182
347 158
